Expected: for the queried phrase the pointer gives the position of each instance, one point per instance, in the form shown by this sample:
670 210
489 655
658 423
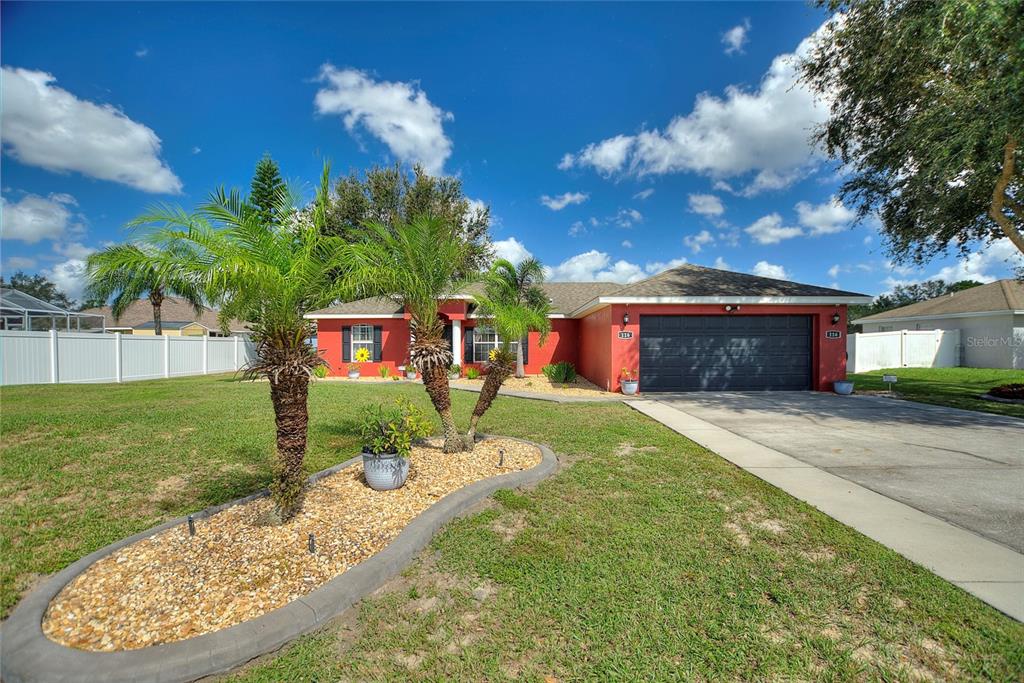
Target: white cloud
770 230
735 38
706 205
196 150
868 239
606 157
577 229
396 113
833 272
644 194
20 263
48 127
142 52
698 241
69 276
597 266
979 265
765 269
73 250
627 244
764 131
511 249
627 218
720 264
561 201
34 218
826 218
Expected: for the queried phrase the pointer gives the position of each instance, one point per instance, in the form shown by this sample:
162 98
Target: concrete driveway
963 467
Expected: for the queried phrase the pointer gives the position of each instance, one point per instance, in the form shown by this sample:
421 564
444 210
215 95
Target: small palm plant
515 305
128 272
418 264
271 275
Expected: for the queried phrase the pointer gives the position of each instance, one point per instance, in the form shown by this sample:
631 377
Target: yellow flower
362 354
493 354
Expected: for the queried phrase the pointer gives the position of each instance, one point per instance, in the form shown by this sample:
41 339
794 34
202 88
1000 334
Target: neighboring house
687 329
990 319
178 319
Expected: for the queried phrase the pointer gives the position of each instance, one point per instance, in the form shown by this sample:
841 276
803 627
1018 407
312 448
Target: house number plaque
625 334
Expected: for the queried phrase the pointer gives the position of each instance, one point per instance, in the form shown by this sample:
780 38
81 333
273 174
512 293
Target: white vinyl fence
70 357
868 351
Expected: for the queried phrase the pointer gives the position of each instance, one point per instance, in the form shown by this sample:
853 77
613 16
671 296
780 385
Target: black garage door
725 352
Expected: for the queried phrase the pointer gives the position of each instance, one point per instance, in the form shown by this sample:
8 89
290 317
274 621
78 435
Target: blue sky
609 140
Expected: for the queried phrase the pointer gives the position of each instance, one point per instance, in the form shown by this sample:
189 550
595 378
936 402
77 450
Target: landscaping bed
173 586
540 384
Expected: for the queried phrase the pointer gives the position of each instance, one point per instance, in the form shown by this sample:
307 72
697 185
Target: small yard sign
833 334
625 334
890 380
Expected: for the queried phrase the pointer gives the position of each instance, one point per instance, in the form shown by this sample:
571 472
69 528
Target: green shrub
383 371
393 430
560 373
472 373
455 371
320 371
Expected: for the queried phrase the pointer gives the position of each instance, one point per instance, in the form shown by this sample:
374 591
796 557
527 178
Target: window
362 338
485 339
885 328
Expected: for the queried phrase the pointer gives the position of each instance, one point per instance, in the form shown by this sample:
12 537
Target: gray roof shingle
173 308
1001 295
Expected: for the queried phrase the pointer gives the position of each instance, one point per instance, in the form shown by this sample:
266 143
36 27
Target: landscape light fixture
501 457
191 526
312 543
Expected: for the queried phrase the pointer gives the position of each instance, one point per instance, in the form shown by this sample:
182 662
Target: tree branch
999 196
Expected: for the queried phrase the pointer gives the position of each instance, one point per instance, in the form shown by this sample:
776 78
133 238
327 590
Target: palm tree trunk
435 379
289 393
520 370
156 297
495 378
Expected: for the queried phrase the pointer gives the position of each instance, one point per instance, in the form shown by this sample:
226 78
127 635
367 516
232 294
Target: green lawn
646 558
955 387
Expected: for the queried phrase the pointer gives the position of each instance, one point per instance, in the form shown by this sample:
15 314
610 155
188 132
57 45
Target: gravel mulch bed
170 586
542 385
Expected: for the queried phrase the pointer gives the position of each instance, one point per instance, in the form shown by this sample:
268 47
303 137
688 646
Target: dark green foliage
391 197
904 295
39 287
392 430
267 191
562 372
927 115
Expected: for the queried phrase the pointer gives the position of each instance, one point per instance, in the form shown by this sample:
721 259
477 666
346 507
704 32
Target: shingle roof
173 308
692 280
166 324
685 280
1001 295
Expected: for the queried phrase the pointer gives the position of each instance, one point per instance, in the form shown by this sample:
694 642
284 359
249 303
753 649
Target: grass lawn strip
629 564
953 387
172 586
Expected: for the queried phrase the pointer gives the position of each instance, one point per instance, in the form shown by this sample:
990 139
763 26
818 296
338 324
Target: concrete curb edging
28 656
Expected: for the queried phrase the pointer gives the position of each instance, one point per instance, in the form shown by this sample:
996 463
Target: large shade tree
419 264
927 115
266 190
514 304
270 275
127 272
392 197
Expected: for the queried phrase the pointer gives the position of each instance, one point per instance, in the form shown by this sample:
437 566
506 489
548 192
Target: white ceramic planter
385 472
630 386
843 387
353 374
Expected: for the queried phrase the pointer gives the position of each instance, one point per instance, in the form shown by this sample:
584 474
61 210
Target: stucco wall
993 341
595 348
828 355
561 345
394 344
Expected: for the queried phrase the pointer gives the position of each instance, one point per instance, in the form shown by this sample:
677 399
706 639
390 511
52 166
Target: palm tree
419 264
271 275
129 271
515 305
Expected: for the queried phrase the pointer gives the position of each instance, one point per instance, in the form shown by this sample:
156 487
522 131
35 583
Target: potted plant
629 381
362 356
843 387
410 370
388 434
454 372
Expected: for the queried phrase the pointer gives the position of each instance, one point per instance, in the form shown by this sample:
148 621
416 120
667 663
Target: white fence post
118 372
54 358
167 355
903 348
236 352
206 354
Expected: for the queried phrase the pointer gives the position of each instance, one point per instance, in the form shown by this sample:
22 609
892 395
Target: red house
687 329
